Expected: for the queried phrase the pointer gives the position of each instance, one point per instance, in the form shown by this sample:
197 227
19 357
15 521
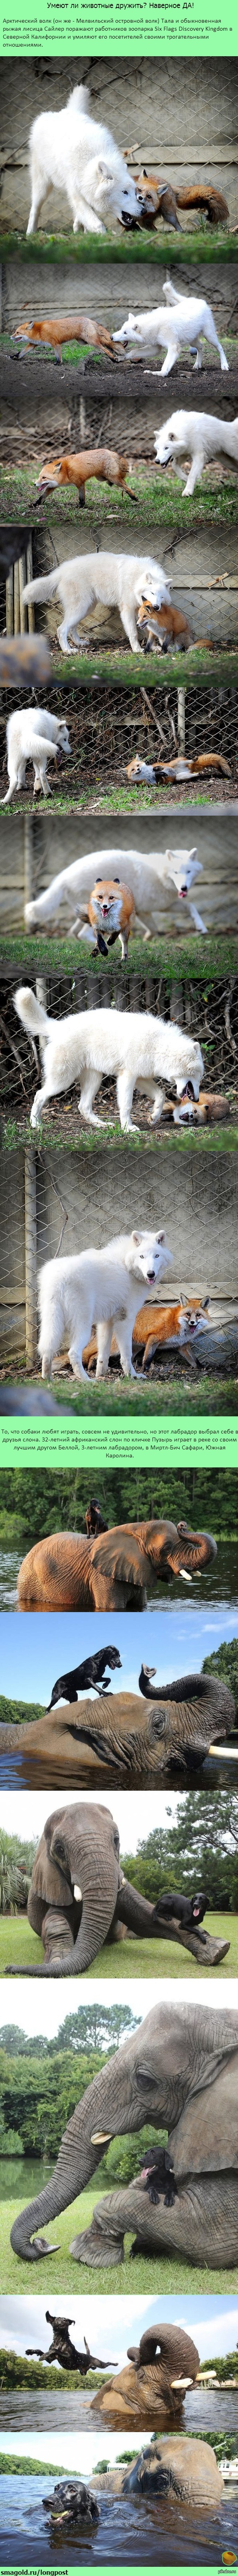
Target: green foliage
10 2466
18 1710
226 2366
225 1662
41 1502
17 2373
40 2085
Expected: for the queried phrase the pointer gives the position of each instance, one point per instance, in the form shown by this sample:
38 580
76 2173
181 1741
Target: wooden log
23 605
30 1258
29 576
9 603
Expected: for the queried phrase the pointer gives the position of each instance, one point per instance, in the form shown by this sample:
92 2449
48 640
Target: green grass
147 1959
149 2274
88 248
218 1140
214 504
138 670
205 1394
157 958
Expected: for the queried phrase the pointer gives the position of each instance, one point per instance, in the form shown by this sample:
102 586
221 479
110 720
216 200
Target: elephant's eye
143 2076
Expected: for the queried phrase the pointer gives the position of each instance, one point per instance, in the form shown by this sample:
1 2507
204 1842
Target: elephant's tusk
101 2138
78 1894
181 2383
224 1752
185 1578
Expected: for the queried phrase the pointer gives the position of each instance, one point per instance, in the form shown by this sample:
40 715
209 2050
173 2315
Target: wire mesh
34 849
64 1203
209 1013
107 726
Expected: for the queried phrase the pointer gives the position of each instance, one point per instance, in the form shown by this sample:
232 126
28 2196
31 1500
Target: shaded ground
107 728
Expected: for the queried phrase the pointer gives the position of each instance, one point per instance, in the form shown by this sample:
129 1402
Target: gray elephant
111 1572
78 1897
72 2508
178 2467
179 2072
162 2365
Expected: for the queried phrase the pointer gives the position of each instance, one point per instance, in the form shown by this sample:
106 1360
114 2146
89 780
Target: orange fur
162 199
102 462
55 333
172 620
156 1326
172 768
111 911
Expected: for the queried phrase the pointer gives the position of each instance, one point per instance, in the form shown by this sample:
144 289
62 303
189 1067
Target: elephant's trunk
110 2107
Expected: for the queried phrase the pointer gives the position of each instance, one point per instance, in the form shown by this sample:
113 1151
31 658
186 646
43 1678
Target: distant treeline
33 1505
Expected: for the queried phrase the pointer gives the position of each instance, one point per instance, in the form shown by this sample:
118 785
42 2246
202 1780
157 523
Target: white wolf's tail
29 1010
44 905
43 588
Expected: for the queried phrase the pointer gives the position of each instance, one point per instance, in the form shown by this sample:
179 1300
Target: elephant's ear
48 1880
116 1552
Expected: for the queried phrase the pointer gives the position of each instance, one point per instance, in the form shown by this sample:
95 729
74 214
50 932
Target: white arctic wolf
133 1046
189 319
117 581
103 1288
198 434
32 734
69 150
145 876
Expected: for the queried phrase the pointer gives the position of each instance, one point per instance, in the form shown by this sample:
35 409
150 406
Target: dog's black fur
86 1676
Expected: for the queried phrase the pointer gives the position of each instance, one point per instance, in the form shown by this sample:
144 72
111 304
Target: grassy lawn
212 502
159 957
204 1393
18 1945
60 2273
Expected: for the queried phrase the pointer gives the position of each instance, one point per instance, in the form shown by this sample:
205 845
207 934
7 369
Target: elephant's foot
57 1936
96 2248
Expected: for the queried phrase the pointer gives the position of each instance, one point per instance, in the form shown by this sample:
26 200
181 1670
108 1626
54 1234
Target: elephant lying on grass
69 1572
148 2391
179 2071
78 1897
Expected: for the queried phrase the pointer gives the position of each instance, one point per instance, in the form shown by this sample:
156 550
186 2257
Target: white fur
199 434
69 150
133 1046
104 1289
32 734
145 876
189 319
117 581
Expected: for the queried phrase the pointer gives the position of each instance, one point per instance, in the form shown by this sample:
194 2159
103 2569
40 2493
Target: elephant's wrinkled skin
177 2467
146 2392
127 1740
79 1898
71 2507
179 2072
111 1572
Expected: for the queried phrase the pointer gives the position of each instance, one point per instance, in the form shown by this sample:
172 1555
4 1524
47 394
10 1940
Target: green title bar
116 1443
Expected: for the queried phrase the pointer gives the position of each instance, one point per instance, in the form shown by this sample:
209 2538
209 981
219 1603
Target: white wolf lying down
103 1288
145 876
133 1046
32 734
198 434
189 319
69 150
117 581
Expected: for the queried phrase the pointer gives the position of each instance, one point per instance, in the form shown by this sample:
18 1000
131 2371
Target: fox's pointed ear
183 1301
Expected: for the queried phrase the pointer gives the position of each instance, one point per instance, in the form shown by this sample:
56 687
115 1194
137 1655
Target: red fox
102 462
162 199
111 912
172 621
179 768
54 335
156 1326
211 1106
